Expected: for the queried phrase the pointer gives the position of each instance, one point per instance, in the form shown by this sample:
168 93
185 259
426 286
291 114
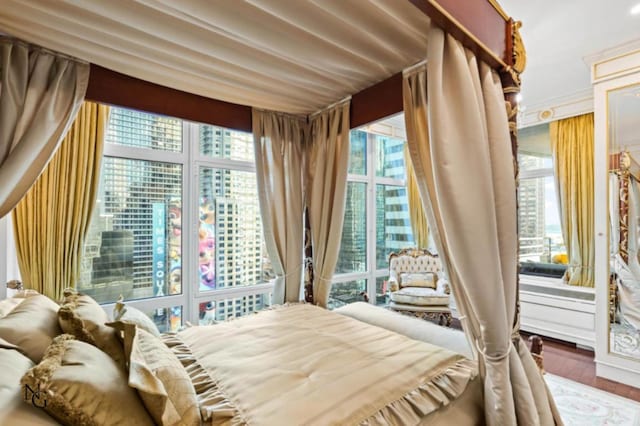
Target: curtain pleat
458 136
572 147
279 140
52 219
417 216
40 93
327 161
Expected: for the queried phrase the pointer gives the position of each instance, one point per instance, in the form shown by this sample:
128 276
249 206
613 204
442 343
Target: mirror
623 120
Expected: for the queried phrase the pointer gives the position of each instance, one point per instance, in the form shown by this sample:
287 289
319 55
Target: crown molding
621 49
577 103
614 62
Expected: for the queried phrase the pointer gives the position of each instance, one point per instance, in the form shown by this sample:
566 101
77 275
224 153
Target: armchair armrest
443 286
393 283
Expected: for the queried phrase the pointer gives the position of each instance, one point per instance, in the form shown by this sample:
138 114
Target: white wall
8 260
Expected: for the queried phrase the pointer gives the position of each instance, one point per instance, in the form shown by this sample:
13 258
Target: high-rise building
134 246
531 212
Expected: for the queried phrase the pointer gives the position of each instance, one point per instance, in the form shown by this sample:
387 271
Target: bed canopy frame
481 25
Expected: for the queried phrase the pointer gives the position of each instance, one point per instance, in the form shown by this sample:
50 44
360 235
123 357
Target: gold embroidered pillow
161 380
428 279
31 326
84 318
83 386
129 314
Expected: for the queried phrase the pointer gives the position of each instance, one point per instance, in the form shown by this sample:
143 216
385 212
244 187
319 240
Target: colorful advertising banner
159 244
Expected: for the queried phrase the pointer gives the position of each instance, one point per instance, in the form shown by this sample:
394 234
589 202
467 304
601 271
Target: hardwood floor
566 360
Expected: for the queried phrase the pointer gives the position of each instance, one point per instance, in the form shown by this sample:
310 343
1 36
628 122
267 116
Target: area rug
582 405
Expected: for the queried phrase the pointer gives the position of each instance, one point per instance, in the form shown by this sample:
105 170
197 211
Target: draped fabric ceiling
290 56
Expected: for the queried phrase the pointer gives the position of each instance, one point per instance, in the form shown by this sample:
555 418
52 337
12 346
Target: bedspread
301 364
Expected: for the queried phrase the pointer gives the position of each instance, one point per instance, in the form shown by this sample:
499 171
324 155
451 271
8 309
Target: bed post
308 260
510 77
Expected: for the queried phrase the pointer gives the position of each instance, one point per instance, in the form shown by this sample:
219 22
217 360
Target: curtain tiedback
417 216
572 147
327 161
40 93
279 141
461 151
52 219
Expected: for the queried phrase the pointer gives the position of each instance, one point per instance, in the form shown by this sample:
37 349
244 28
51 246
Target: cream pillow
161 380
31 326
84 318
84 386
428 279
13 365
129 314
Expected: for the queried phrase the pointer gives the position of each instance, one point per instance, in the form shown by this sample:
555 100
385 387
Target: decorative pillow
31 326
84 318
84 386
13 364
161 380
131 315
428 279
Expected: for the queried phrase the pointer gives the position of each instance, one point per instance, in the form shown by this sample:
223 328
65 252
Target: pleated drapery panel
572 142
279 141
40 93
461 151
51 221
417 216
327 161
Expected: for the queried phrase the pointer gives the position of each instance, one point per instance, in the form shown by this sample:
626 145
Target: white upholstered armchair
417 285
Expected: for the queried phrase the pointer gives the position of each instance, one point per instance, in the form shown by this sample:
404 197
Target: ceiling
292 56
559 34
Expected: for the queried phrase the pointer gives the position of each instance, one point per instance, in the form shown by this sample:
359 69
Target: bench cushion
420 296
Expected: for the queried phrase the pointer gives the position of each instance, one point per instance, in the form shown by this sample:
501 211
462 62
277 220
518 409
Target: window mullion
371 216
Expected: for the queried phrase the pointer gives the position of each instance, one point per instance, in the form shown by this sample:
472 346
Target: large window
542 250
176 228
376 220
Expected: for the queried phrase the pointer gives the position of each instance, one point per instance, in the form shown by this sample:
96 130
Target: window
376 220
541 244
176 223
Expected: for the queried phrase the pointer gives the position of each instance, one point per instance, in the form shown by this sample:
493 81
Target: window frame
191 160
523 175
372 272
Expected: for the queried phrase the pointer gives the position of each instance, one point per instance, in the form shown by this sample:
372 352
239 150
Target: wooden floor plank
565 360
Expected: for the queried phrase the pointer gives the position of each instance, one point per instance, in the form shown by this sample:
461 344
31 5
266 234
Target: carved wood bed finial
537 351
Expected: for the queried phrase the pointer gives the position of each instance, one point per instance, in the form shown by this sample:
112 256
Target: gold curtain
51 221
417 215
572 147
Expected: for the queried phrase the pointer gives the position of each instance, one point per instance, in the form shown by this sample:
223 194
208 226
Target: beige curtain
572 147
279 140
52 219
461 152
40 93
417 216
327 160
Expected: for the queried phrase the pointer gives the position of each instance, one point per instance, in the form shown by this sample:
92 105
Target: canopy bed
272 68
